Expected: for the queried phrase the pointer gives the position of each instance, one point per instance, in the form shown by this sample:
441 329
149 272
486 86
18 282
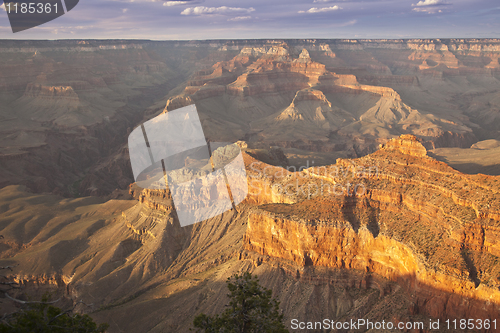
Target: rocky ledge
396 213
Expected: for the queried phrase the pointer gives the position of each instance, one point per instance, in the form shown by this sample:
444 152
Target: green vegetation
75 188
43 317
251 309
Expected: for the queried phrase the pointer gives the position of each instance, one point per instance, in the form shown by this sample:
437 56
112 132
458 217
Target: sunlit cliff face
396 213
415 222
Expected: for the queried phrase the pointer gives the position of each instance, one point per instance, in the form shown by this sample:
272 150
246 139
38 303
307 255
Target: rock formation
396 213
375 91
394 235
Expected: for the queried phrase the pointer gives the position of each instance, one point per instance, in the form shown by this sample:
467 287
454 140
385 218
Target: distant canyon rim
414 123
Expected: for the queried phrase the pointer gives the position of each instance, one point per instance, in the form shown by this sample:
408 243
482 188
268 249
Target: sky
245 19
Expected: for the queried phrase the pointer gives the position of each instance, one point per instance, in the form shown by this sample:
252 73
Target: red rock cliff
396 213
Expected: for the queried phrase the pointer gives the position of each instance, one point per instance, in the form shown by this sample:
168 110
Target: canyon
413 244
68 106
372 169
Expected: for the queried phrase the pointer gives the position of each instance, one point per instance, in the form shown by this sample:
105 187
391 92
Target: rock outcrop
396 213
406 144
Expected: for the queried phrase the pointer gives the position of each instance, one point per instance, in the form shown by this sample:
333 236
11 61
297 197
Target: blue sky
232 19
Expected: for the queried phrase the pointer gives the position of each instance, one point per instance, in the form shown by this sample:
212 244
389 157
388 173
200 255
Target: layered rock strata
396 213
375 91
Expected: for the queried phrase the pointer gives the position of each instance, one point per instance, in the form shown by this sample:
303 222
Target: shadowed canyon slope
394 235
67 108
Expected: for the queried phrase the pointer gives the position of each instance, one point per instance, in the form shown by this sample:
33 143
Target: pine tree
44 317
251 309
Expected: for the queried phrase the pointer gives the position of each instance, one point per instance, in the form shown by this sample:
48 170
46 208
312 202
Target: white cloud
138 1
202 10
428 10
166 3
316 1
175 3
124 10
430 6
240 18
429 3
320 10
346 24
